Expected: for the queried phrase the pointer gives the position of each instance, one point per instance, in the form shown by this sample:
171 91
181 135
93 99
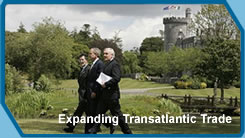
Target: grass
130 103
142 105
125 83
51 126
198 92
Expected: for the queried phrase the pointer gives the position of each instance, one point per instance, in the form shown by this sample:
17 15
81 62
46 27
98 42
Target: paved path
133 91
143 90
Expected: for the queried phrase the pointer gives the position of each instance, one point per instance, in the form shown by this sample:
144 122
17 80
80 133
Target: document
103 78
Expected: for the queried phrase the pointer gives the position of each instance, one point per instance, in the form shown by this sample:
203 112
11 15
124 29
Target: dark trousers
114 107
92 107
81 108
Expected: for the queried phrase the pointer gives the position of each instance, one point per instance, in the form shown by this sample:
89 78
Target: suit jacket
112 91
82 81
94 73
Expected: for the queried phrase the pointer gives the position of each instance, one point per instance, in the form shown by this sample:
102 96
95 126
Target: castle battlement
168 20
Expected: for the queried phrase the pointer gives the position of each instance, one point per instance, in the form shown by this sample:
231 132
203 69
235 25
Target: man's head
109 54
82 60
94 53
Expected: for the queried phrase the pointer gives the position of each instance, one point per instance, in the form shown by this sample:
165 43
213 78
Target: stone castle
176 32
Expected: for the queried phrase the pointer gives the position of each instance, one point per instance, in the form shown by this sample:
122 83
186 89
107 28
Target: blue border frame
3 3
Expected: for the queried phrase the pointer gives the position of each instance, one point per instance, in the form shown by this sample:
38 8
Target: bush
139 105
237 84
43 84
182 85
196 84
185 78
167 107
179 84
13 80
27 104
186 82
203 85
143 77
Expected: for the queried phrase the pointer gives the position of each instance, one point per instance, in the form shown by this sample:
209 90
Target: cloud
139 30
135 22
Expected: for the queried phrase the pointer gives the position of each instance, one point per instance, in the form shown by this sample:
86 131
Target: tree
17 49
155 63
153 44
130 63
21 28
50 51
86 35
117 40
222 61
172 63
214 22
13 80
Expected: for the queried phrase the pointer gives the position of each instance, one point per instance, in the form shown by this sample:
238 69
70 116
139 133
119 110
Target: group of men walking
96 99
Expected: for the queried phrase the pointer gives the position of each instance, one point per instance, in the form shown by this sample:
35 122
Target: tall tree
130 63
50 50
21 28
151 44
214 22
117 40
222 61
17 49
218 32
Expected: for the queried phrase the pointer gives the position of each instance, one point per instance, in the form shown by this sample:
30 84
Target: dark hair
83 55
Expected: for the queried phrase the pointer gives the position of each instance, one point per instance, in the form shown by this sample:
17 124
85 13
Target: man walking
94 89
109 99
82 105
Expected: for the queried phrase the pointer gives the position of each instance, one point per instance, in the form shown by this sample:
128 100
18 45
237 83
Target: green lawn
130 103
125 83
51 126
198 92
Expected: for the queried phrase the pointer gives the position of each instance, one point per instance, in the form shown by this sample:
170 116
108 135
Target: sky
133 22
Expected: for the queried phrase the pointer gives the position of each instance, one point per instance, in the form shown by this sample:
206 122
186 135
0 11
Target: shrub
189 84
184 78
178 84
168 107
203 85
143 77
181 85
13 80
27 104
186 82
43 84
195 84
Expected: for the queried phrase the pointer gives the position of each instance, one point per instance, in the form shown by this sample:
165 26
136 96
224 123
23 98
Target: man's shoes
68 130
128 132
99 130
94 130
112 129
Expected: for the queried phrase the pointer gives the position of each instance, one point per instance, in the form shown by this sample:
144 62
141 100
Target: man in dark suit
109 99
94 89
82 105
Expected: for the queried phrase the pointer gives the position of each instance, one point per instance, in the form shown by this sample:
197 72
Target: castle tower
175 28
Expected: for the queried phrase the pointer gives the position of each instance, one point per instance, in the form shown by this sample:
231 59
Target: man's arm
116 75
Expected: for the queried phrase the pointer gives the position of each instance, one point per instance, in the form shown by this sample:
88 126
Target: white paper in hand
103 78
